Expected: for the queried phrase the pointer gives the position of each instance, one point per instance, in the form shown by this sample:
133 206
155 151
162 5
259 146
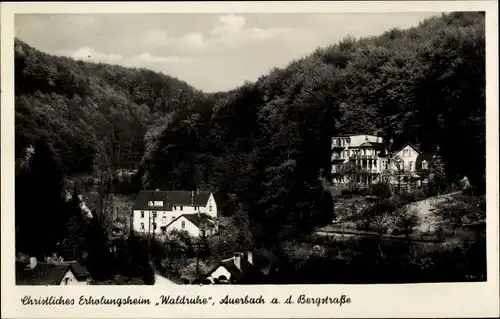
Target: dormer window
425 165
155 203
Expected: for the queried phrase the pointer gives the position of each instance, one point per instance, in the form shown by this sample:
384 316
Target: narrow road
425 210
162 281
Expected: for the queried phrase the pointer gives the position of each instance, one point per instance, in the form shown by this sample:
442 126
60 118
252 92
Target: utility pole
197 245
149 237
154 230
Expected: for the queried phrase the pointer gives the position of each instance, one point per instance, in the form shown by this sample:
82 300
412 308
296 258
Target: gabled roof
47 273
196 218
42 274
424 156
375 145
355 134
78 270
408 144
246 272
170 198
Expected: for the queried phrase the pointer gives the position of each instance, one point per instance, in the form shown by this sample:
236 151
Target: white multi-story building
370 154
156 212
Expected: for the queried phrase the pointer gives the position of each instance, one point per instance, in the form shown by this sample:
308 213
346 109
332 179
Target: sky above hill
212 52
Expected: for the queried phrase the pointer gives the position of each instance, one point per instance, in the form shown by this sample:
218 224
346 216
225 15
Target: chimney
32 262
250 257
237 260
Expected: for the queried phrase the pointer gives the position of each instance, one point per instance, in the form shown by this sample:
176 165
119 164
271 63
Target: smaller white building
193 224
154 210
48 274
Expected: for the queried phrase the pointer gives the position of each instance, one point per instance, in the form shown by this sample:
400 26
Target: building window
334 142
180 207
142 214
154 214
406 153
183 224
66 281
175 207
348 140
425 165
154 226
142 226
411 166
210 208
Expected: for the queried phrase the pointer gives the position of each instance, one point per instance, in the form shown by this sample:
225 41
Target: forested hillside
77 104
261 147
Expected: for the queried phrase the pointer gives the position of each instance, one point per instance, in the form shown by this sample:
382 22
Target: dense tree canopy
265 143
75 104
260 148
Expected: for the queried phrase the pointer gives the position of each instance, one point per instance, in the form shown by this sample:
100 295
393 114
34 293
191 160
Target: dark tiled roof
196 218
354 134
247 272
375 145
404 145
78 270
170 198
42 274
47 273
421 157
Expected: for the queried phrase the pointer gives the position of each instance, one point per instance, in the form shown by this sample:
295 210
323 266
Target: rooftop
170 198
246 273
196 218
47 273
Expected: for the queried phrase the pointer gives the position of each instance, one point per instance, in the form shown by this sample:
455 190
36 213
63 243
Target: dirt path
425 210
162 281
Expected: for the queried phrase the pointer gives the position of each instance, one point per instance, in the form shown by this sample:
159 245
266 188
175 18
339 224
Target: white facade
149 221
356 149
220 271
408 156
145 220
352 148
70 279
185 224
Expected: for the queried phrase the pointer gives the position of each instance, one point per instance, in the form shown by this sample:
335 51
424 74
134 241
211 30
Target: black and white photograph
341 159
250 148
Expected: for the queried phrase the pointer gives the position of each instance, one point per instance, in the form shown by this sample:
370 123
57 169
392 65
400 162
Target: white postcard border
409 300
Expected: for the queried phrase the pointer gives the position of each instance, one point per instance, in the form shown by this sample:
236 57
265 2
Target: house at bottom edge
239 269
34 273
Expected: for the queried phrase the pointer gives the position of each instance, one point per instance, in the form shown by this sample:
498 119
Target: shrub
381 190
